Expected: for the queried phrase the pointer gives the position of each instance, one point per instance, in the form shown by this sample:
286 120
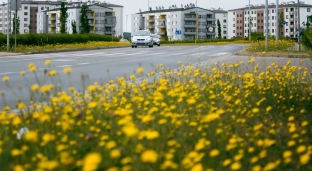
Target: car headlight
133 40
148 39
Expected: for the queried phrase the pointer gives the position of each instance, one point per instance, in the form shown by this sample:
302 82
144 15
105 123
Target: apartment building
192 21
27 15
101 19
222 16
239 19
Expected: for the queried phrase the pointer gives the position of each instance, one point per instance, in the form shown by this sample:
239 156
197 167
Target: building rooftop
73 7
272 6
219 11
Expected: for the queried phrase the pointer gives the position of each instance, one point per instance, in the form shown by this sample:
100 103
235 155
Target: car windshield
141 33
155 36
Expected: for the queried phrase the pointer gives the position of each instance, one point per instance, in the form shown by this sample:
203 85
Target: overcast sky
133 6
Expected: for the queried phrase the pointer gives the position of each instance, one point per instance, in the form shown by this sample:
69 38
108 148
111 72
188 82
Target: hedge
45 39
307 37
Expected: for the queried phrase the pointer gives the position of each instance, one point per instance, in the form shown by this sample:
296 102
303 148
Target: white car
156 39
142 38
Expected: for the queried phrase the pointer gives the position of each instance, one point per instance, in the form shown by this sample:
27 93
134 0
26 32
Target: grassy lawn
64 47
214 118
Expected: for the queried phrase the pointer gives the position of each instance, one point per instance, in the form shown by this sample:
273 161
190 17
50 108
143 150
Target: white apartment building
221 15
27 15
190 20
101 19
238 19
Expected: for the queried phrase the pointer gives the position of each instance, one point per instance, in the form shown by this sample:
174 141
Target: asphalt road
100 65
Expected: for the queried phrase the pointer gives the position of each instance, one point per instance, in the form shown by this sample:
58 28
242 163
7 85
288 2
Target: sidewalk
2 54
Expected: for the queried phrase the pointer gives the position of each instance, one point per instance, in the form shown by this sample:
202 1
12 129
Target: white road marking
61 60
63 66
220 54
83 63
7 73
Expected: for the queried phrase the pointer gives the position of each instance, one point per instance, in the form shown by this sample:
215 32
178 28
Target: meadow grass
198 119
57 47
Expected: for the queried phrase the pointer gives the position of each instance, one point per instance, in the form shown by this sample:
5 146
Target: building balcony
161 19
190 25
211 19
291 12
291 33
161 33
52 32
190 33
161 26
291 19
109 32
90 17
189 18
110 25
291 26
151 27
211 25
51 25
52 19
152 20
211 33
58 24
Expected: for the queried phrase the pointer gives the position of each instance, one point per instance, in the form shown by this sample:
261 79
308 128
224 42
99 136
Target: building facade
239 19
27 15
101 19
221 15
43 17
193 22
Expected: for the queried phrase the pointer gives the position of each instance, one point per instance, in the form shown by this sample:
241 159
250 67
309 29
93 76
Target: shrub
47 39
307 38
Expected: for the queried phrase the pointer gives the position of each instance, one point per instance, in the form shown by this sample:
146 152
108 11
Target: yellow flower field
282 46
89 45
198 119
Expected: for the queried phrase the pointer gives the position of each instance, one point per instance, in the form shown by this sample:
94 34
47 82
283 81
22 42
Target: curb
274 55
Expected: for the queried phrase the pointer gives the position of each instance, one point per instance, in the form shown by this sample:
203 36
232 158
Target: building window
286 16
286 30
25 19
233 13
25 25
25 7
224 21
272 30
233 25
25 30
25 13
224 32
286 9
272 11
272 24
308 10
233 19
233 31
258 27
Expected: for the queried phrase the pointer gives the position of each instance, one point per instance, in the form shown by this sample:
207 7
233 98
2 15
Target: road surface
101 65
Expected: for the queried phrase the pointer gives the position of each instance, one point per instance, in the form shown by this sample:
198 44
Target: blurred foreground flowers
208 118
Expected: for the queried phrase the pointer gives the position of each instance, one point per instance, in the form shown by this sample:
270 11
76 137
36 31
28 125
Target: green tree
84 22
280 23
16 18
74 27
63 18
219 29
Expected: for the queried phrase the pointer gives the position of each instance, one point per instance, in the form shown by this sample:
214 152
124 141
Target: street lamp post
249 23
8 34
196 32
266 25
277 23
298 25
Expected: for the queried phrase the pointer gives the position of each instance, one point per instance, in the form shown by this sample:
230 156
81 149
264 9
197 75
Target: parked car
156 39
142 38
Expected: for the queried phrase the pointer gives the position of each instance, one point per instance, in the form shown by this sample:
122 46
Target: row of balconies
190 33
185 26
91 24
185 19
